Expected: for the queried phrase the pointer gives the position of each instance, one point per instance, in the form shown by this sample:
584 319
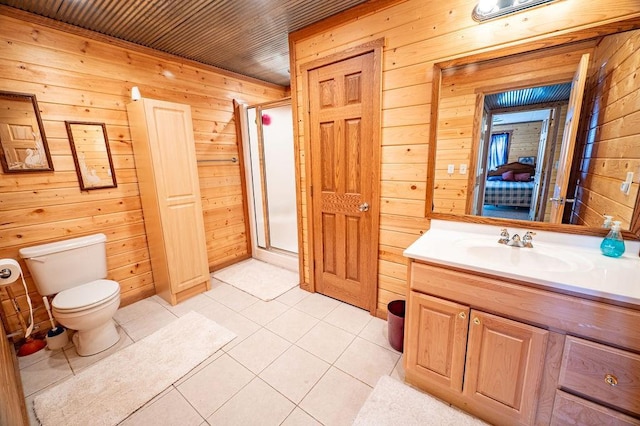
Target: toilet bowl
89 310
74 271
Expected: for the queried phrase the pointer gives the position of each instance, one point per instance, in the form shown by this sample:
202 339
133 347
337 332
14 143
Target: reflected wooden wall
81 76
610 128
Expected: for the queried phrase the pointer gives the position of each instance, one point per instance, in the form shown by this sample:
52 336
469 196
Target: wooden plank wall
457 109
418 34
612 128
525 138
77 75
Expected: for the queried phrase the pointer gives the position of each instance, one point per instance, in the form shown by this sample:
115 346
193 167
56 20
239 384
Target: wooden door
480 174
437 332
537 188
569 140
344 128
504 365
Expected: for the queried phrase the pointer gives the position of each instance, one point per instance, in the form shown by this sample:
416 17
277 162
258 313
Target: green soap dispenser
613 244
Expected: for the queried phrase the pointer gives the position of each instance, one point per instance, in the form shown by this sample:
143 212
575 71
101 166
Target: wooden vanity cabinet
490 365
164 150
512 353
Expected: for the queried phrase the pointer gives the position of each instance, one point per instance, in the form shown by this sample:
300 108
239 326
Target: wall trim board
116 42
339 19
237 110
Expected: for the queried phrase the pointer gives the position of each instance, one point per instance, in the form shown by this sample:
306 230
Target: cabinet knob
476 321
611 380
462 315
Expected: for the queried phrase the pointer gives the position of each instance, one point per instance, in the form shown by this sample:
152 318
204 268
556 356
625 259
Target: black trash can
395 324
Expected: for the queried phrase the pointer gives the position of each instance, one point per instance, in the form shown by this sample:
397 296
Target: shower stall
269 158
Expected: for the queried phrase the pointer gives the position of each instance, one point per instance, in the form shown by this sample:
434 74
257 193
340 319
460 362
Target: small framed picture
527 160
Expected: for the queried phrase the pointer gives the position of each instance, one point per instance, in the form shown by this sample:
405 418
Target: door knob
364 207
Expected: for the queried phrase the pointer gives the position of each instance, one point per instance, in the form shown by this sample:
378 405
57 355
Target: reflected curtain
498 150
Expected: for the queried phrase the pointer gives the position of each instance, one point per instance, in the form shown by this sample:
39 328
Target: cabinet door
437 337
504 365
172 148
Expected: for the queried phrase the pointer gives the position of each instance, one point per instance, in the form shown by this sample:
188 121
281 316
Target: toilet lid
85 295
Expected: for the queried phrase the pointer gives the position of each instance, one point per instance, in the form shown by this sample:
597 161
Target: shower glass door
271 180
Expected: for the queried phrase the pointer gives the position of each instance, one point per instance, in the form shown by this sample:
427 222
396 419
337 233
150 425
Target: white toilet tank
64 264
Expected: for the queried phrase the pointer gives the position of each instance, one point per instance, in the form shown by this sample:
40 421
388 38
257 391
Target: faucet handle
504 236
528 238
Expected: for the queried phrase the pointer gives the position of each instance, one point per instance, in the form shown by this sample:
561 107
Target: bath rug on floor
393 403
111 389
258 278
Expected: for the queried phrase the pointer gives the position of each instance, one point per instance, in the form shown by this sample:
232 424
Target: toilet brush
57 336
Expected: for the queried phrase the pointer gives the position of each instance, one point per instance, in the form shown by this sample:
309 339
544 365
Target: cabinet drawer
571 410
605 374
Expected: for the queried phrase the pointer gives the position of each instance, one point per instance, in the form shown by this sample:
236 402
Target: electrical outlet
463 169
451 168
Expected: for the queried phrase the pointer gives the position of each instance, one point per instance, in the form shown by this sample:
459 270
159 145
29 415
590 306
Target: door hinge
311 190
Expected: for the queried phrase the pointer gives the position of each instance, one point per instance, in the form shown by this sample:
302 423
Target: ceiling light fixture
489 9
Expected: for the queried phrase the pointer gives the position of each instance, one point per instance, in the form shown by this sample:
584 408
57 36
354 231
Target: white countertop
590 273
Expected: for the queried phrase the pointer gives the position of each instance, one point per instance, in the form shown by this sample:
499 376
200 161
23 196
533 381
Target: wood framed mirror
23 145
91 155
466 92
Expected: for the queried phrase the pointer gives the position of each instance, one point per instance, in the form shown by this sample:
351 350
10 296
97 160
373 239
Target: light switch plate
451 168
463 169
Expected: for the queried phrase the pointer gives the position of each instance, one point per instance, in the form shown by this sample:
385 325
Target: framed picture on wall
527 160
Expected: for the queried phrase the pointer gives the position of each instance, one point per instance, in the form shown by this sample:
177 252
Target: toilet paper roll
9 271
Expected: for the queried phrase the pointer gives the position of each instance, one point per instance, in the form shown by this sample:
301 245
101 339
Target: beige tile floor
302 359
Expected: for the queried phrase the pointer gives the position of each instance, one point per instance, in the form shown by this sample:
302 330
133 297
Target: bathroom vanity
541 335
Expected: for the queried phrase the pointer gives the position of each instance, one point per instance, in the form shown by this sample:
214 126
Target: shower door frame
275 256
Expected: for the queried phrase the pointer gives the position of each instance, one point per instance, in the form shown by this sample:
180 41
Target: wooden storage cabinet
493 364
164 150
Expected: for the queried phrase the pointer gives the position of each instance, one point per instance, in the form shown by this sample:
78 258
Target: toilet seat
86 296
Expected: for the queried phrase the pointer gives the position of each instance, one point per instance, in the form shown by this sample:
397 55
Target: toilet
74 271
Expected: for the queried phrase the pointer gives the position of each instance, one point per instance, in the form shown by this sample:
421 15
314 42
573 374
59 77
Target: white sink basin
536 258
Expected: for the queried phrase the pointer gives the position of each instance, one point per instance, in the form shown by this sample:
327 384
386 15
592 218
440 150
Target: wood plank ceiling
245 36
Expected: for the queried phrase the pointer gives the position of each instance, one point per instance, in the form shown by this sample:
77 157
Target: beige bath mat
110 390
258 278
393 403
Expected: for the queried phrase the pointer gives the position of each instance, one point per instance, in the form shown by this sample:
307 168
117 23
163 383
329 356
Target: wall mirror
23 146
543 139
91 155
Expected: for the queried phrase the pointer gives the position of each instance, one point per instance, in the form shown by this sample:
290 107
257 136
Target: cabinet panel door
504 364
437 332
177 187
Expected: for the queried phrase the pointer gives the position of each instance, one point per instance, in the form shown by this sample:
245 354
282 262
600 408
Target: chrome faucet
527 239
504 236
515 241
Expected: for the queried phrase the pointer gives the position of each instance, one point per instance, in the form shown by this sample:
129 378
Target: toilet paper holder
5 273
